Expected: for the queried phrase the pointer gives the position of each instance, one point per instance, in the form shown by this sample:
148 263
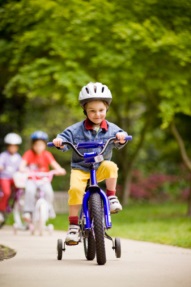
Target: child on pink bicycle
94 99
9 164
38 159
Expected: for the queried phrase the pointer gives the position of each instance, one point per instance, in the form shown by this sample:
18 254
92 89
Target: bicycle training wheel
97 219
59 249
117 247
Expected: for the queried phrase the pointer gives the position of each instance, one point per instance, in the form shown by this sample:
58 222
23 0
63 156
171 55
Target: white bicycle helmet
12 138
94 91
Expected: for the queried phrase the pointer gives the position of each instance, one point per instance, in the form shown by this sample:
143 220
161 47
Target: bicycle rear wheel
89 246
97 219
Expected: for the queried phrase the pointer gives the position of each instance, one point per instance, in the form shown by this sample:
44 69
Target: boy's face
96 111
12 148
39 146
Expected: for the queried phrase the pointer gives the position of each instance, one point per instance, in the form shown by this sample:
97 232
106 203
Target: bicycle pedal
72 243
115 211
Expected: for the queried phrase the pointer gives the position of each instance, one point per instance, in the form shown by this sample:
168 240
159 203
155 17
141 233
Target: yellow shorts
79 178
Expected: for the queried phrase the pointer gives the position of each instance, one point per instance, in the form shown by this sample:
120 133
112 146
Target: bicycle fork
93 187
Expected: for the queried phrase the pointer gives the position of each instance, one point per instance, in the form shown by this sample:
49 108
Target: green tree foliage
141 50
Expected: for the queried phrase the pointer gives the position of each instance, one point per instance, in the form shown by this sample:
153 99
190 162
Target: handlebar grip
50 144
128 138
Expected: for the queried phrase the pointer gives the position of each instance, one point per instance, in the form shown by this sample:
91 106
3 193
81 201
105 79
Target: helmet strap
85 113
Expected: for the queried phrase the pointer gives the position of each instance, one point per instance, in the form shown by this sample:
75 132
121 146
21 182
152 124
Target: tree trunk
126 187
128 165
185 158
181 145
189 202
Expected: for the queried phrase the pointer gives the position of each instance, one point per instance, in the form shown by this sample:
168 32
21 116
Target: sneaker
27 217
114 203
73 235
2 219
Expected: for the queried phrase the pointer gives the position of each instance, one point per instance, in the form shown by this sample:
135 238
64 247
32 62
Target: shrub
159 186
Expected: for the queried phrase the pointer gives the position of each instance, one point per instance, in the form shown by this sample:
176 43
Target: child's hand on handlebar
60 171
58 142
121 137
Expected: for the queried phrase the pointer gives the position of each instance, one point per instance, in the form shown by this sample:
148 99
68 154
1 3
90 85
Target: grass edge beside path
163 223
6 252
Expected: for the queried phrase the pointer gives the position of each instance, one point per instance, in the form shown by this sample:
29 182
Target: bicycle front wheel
98 224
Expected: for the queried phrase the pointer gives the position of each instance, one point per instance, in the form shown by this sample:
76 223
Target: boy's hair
104 102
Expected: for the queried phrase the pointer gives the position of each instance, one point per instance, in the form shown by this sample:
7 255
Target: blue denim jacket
78 133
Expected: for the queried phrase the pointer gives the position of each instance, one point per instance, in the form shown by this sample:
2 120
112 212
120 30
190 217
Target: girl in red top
38 159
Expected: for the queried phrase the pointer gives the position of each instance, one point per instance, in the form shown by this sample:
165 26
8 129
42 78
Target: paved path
141 265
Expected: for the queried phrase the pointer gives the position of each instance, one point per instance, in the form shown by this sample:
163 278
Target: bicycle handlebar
89 145
41 174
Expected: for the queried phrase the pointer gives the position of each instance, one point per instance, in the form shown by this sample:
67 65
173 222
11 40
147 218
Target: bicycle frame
41 211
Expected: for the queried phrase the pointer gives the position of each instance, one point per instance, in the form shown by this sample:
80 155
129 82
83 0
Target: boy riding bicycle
95 99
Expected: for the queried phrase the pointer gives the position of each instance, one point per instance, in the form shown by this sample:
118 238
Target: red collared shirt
89 126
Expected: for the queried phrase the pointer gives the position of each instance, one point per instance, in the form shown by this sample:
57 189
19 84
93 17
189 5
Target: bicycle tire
97 219
59 249
89 246
117 247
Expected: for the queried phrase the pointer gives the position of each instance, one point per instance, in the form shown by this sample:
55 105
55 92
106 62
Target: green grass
164 223
161 223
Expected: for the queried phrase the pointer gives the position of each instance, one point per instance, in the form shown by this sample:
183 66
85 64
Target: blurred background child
38 159
10 160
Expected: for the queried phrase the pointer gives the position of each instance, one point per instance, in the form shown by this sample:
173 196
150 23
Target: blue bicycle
94 217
